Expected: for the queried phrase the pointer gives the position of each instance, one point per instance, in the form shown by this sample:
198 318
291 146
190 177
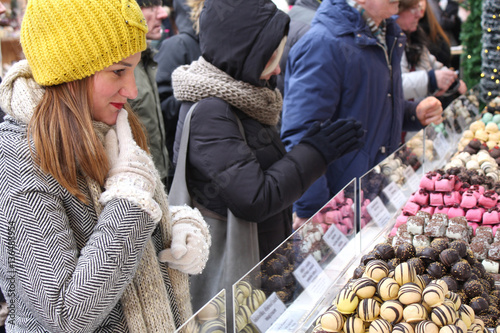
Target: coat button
389 95
400 45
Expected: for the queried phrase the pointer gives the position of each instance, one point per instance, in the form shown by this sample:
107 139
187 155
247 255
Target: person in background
301 15
447 15
250 174
147 103
83 212
438 42
180 49
349 65
422 74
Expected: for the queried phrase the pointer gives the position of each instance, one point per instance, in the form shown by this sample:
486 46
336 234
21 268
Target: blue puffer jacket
337 70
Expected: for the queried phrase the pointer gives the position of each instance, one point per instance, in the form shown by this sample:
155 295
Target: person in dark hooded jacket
252 176
180 49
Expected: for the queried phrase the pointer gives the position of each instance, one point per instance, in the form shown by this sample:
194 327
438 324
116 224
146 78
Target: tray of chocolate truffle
441 288
458 203
461 112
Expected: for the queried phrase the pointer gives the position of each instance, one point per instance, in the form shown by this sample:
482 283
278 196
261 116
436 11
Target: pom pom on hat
68 40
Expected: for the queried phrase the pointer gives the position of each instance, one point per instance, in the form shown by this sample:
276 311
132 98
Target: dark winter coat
257 180
338 70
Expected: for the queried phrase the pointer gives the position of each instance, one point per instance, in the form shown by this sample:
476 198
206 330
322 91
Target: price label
268 312
307 271
378 212
395 195
441 145
335 239
412 179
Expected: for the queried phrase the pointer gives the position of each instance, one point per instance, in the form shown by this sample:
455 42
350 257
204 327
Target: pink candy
411 208
456 211
444 184
491 217
442 209
468 200
436 199
475 214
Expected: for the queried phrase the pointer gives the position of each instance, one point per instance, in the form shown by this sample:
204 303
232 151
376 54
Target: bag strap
179 193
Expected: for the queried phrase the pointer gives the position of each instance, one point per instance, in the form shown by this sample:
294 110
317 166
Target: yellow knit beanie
68 40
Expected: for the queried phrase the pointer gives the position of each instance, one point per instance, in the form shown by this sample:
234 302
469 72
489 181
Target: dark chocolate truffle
479 305
405 251
480 269
418 264
440 244
473 288
429 255
393 263
367 258
386 251
449 256
436 269
461 247
461 271
451 282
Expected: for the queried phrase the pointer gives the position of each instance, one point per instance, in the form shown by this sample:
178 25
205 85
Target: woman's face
275 71
112 87
408 19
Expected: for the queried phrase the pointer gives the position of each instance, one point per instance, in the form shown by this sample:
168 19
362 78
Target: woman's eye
119 72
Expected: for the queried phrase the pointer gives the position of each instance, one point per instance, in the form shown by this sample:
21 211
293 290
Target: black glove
333 140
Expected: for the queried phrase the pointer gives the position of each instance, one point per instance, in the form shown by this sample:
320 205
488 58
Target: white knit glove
190 241
132 175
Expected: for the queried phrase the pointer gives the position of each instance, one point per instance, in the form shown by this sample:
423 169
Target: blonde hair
279 52
196 7
64 136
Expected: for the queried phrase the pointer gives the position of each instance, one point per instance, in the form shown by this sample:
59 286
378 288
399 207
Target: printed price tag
395 195
307 271
378 212
412 179
440 145
268 312
335 239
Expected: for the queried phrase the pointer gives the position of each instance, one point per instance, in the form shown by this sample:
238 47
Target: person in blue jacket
348 65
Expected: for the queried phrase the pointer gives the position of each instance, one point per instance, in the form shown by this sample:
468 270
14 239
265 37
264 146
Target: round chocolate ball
461 247
440 244
429 255
486 285
393 263
451 282
473 288
489 277
418 264
469 256
436 270
480 269
386 251
449 256
461 271
479 305
405 251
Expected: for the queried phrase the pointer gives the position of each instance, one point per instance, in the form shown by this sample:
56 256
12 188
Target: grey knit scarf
201 79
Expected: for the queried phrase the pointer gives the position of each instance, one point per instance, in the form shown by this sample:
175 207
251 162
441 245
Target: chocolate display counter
309 280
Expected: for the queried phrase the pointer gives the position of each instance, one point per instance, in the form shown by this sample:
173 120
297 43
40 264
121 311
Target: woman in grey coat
83 215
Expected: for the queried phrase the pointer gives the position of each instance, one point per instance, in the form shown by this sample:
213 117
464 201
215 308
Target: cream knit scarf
157 299
201 79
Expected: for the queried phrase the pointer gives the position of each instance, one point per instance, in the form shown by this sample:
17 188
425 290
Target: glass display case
297 278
